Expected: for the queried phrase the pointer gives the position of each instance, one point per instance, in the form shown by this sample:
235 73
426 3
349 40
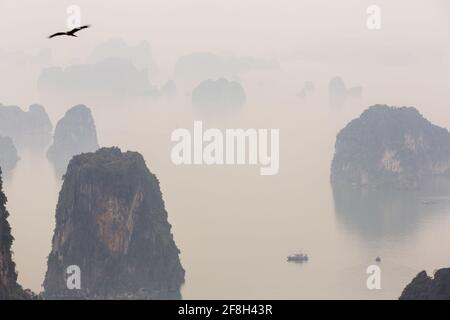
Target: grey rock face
75 133
8 275
424 287
111 222
389 146
9 288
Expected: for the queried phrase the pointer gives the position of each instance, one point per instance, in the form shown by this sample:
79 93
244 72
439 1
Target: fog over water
233 226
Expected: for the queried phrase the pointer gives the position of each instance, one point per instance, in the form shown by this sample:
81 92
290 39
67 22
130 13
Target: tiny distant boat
298 257
378 259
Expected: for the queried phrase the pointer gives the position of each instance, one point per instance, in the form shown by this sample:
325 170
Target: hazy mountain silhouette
218 96
112 76
8 154
338 92
75 133
308 89
26 128
169 89
140 55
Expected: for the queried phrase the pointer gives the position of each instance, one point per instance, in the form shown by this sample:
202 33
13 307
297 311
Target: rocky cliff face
8 274
75 133
424 287
9 289
112 224
8 154
389 146
26 128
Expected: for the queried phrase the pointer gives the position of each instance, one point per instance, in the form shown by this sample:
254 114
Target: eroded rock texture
9 288
111 222
424 287
390 147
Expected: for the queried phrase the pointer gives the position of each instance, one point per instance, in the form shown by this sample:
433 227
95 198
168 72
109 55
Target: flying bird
70 33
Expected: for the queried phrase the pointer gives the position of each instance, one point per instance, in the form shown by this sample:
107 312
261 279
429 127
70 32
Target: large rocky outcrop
424 287
75 133
26 128
390 147
8 154
112 224
9 289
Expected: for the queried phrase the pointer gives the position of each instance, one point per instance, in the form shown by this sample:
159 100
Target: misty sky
407 62
277 29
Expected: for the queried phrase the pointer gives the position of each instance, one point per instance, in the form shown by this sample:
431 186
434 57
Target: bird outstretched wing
57 34
71 32
78 29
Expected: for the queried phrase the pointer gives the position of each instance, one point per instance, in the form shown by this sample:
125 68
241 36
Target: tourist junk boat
298 257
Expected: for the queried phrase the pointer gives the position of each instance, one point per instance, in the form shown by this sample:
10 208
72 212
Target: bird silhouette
70 33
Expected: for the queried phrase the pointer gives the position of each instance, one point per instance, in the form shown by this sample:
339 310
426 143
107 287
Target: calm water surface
235 228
